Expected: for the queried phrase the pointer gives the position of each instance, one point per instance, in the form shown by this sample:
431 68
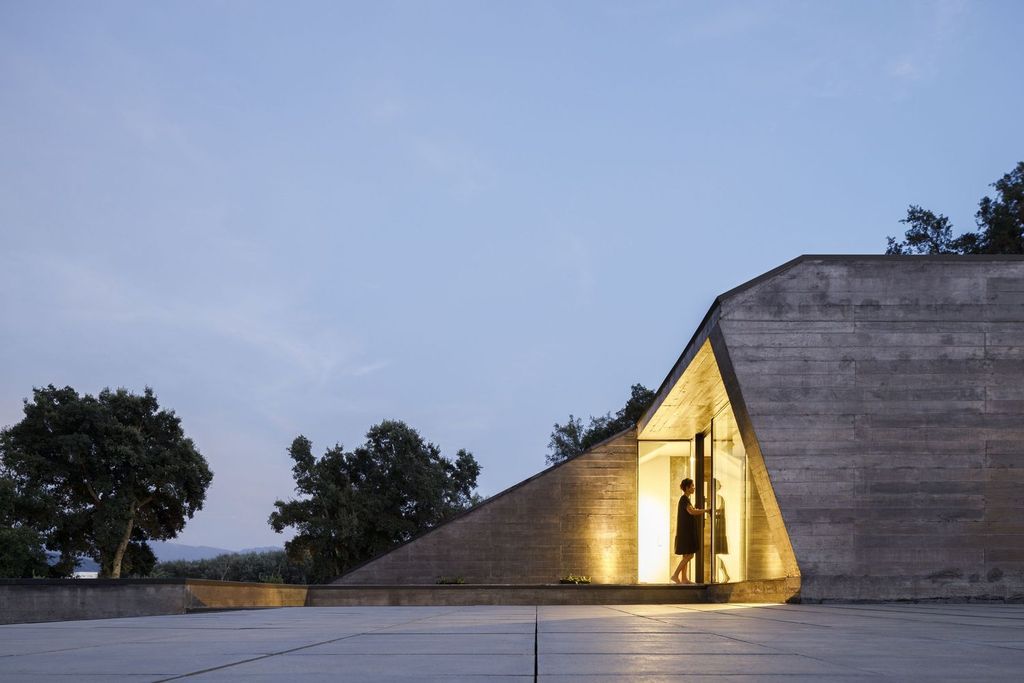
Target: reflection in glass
730 496
737 540
742 542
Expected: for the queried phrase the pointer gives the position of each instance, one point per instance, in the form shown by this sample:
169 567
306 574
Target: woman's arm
697 512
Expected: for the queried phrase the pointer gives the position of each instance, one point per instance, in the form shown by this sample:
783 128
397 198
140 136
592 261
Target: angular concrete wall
576 518
886 396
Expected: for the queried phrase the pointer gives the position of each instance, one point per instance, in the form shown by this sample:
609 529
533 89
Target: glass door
703 566
728 495
735 542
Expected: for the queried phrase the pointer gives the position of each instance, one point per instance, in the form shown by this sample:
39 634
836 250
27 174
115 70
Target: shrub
268 567
450 580
574 578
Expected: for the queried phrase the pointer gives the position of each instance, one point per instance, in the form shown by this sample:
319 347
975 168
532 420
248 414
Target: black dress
721 540
687 533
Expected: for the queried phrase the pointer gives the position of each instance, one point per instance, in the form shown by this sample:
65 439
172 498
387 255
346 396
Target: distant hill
169 552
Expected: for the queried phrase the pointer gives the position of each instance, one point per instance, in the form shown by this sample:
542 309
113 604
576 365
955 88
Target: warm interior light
656 499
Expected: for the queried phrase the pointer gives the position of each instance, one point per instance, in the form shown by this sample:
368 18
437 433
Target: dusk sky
477 217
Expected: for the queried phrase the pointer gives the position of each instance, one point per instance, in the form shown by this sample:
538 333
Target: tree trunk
115 567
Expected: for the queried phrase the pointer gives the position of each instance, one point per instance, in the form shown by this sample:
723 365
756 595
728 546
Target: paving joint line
683 630
858 630
747 615
777 650
148 640
922 613
296 649
536 629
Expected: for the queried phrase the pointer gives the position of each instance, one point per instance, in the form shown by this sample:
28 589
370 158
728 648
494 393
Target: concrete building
856 422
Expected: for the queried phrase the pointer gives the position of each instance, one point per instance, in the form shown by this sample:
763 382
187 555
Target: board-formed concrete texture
880 402
578 517
43 600
31 600
885 396
933 642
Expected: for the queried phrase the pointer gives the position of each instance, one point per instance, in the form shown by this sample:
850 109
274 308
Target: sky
476 217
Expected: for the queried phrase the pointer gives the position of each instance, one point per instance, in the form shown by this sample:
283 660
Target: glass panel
729 497
737 542
661 466
742 543
704 500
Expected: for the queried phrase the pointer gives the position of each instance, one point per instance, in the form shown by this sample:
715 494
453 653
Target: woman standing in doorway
687 531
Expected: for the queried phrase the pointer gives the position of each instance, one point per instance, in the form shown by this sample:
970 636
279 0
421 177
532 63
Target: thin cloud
369 368
904 68
269 321
942 27
731 22
454 162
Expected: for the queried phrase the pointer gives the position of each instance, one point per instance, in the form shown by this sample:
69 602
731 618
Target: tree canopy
21 546
99 476
1000 225
355 505
573 438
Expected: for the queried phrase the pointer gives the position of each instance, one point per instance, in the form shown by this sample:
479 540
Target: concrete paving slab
429 644
115 660
690 678
15 643
644 643
461 630
73 678
938 668
351 667
599 620
573 643
227 676
653 664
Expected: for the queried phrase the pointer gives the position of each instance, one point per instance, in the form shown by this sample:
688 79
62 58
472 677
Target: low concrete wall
337 595
766 590
202 594
33 600
38 600
940 587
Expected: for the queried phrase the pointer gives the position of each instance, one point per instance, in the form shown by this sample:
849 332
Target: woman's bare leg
675 574
679 575
686 569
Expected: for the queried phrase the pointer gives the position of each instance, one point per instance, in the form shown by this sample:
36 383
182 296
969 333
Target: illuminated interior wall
738 537
660 463
680 468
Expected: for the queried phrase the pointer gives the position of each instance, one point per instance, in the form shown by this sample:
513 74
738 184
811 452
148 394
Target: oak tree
100 476
355 505
999 220
573 438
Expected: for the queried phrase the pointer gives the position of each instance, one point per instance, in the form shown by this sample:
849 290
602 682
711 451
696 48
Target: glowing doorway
661 466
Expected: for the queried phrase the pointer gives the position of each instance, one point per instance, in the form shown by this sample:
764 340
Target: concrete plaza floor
603 643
